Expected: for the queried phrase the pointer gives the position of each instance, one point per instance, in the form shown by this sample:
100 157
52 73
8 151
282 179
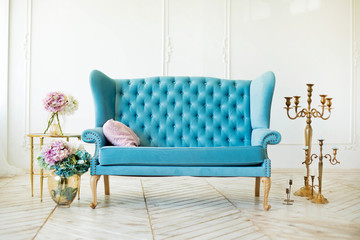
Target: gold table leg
79 187
41 172
32 166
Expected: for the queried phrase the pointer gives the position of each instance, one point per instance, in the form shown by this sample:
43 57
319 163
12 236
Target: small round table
32 173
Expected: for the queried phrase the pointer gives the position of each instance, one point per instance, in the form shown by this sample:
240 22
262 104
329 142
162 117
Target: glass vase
63 189
55 129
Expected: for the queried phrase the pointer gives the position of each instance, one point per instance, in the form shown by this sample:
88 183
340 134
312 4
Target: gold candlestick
311 197
308 161
320 199
287 201
308 113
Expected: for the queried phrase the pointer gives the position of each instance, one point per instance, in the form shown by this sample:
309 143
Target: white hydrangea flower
81 162
71 105
76 146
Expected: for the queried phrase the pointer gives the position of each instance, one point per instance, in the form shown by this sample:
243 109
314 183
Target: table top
65 135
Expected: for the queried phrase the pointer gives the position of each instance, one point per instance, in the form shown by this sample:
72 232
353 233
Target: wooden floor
182 208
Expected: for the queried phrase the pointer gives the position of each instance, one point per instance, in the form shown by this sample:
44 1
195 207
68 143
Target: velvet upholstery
188 126
183 156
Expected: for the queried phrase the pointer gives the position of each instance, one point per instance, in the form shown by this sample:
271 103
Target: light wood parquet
182 208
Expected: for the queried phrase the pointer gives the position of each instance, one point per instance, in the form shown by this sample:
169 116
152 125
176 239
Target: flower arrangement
58 103
65 158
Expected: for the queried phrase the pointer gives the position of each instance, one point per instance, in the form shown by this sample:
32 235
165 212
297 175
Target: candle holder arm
311 159
316 114
263 137
332 160
302 113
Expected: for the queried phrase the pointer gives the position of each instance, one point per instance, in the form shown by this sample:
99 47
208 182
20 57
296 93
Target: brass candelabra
319 198
308 112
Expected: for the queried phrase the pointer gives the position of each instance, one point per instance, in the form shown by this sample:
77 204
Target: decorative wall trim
226 49
355 45
353 143
166 46
4 79
167 50
27 56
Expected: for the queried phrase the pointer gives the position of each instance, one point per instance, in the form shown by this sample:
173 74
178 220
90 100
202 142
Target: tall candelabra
320 198
308 113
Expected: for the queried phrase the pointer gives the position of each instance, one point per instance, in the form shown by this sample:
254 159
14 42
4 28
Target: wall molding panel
355 55
167 47
222 55
27 56
4 78
226 49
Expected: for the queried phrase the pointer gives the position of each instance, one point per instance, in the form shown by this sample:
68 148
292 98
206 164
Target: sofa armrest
96 136
264 136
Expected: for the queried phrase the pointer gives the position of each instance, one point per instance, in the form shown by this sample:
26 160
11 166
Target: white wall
302 41
4 37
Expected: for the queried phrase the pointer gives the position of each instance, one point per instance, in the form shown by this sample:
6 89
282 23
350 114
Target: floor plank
183 208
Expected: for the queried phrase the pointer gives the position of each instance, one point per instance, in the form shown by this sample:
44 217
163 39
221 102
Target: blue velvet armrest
96 136
264 136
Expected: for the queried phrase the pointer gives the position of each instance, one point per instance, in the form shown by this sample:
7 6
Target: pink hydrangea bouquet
58 103
65 158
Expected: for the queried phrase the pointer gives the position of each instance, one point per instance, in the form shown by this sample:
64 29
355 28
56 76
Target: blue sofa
187 126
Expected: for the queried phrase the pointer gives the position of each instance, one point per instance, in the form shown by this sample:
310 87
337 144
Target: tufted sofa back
177 111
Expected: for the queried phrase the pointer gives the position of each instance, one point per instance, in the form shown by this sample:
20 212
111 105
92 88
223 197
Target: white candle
312 172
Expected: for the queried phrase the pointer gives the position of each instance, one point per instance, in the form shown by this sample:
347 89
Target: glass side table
41 136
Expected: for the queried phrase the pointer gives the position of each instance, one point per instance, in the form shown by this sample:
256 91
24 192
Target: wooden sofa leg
106 185
267 184
93 185
257 186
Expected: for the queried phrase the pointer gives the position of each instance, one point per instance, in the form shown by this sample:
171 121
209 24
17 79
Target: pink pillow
119 134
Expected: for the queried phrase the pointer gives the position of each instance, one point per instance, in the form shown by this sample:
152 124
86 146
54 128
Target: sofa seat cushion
182 156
